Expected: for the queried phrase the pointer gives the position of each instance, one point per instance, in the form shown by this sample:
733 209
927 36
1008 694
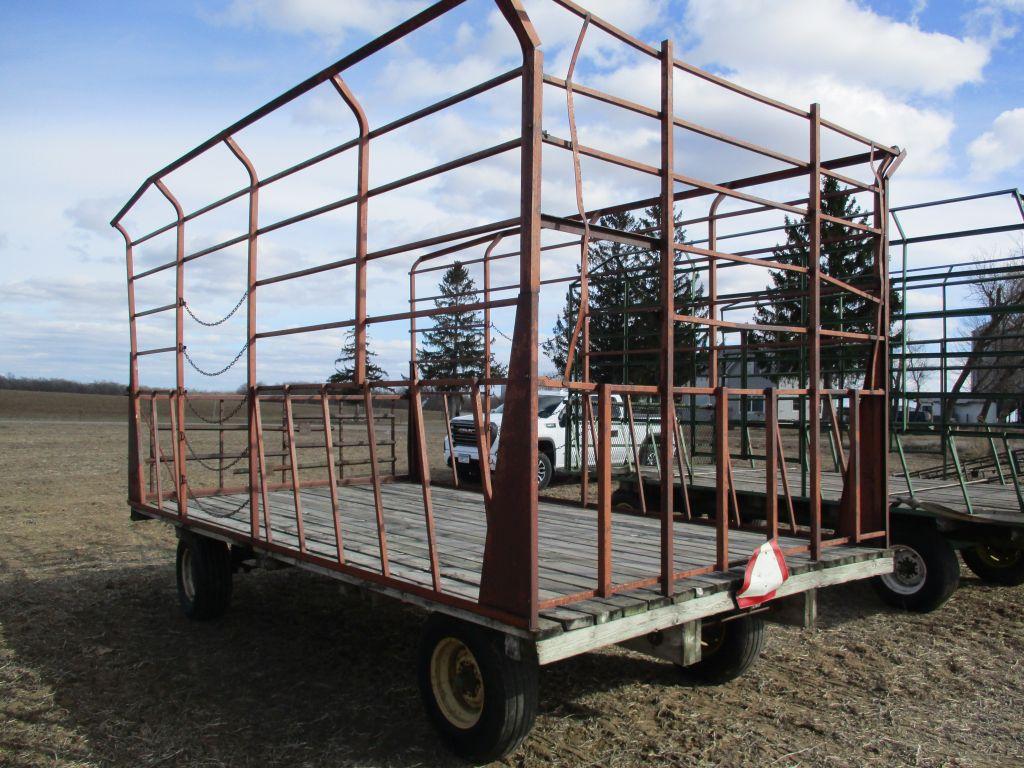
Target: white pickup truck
558 442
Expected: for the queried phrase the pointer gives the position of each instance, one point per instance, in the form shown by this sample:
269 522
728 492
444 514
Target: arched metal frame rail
509 580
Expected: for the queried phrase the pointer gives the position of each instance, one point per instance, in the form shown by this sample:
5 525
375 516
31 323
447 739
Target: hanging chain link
225 369
222 418
216 512
195 457
215 322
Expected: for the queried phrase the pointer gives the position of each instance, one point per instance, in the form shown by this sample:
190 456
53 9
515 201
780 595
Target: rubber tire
510 691
1011 575
740 647
549 470
625 501
943 570
211 577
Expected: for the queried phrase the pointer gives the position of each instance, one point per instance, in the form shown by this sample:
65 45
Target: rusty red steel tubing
378 502
636 454
256 460
482 446
678 435
331 477
837 434
771 463
345 147
262 468
584 278
396 33
155 438
424 468
293 464
604 493
515 592
666 381
785 476
814 328
723 478
178 462
851 471
451 441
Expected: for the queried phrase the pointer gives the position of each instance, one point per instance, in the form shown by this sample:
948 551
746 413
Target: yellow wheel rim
456 682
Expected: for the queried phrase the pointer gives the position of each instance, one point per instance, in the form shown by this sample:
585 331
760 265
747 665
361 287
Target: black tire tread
742 645
211 561
487 741
550 474
1010 576
943 570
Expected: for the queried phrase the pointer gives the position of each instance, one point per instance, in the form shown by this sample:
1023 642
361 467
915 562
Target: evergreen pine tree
849 258
454 347
624 276
345 365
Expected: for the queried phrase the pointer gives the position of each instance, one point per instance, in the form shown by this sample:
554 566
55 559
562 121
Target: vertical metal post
293 461
378 502
250 335
668 311
136 478
853 529
220 444
332 480
722 478
814 329
771 462
509 573
604 491
361 222
179 336
636 454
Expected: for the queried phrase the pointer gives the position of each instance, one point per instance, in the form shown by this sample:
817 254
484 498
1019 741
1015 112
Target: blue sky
98 95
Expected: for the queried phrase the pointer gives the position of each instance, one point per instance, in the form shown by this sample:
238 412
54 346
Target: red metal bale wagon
511 582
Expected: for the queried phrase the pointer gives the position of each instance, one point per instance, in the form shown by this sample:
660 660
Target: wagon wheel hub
457 683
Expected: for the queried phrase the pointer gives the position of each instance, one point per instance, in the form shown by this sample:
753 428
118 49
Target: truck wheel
481 701
728 649
204 577
545 470
995 564
926 571
625 501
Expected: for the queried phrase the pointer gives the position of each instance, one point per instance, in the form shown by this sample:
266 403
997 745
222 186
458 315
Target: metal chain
216 322
195 457
217 513
222 419
225 369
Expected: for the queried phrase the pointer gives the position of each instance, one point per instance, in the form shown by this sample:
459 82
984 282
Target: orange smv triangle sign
765 573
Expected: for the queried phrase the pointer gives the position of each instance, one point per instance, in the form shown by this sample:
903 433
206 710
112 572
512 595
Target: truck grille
465 433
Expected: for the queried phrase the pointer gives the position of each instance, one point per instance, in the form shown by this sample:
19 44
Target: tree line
40 384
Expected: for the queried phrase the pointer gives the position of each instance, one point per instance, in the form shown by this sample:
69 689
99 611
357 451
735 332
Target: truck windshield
546 405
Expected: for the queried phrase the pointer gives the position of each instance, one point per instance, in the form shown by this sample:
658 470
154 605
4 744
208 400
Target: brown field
99 668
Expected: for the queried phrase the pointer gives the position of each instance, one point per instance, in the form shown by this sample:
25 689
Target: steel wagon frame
664 573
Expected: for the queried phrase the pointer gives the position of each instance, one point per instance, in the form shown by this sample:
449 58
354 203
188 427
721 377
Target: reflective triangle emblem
765 573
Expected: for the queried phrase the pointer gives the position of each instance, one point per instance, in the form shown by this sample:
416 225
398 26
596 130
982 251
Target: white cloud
841 38
327 19
1000 148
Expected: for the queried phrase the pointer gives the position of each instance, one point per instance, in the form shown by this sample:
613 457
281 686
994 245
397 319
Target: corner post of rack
136 476
252 276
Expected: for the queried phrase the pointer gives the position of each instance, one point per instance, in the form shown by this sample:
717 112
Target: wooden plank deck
567 545
990 501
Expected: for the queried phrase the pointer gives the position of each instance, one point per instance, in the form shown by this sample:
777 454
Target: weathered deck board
567 545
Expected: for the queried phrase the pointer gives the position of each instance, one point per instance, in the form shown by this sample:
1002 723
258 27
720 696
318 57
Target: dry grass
98 667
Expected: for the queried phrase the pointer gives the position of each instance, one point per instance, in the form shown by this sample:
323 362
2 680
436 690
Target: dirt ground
99 668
